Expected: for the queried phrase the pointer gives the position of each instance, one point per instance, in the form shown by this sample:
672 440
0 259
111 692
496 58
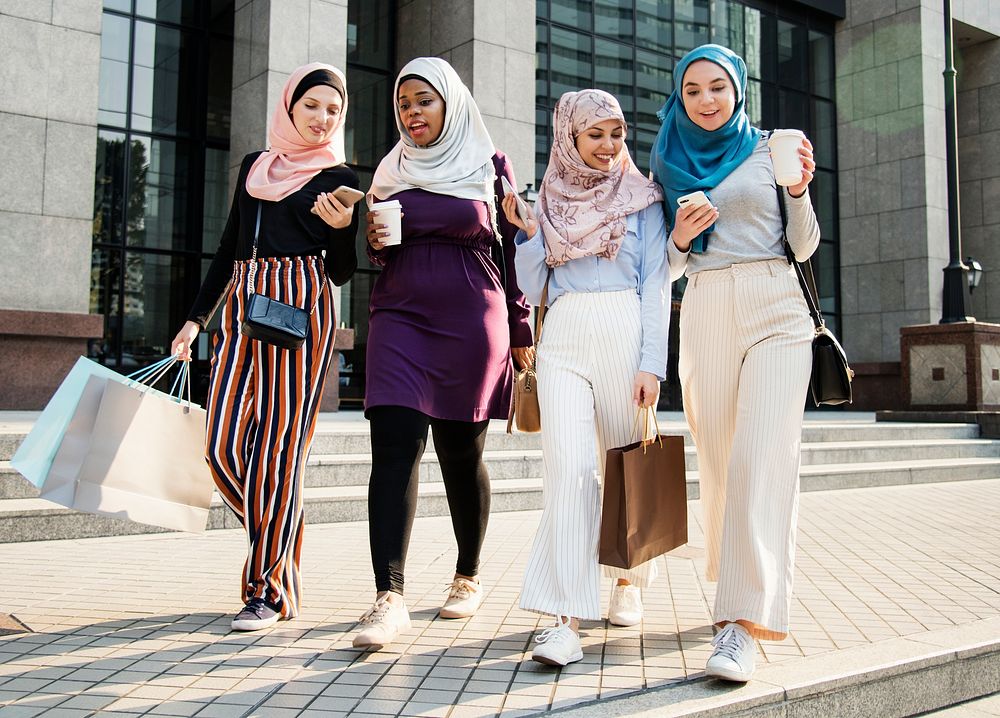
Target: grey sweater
749 224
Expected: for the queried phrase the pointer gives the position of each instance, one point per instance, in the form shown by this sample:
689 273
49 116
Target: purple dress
441 324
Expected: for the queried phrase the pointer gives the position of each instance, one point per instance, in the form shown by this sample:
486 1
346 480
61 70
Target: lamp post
955 280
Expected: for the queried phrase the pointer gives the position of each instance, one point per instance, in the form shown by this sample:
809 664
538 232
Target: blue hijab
686 157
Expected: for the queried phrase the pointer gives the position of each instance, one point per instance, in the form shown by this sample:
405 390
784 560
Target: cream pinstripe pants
745 361
587 361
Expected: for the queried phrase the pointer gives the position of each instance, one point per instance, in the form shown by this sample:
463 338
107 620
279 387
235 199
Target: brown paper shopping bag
145 461
644 513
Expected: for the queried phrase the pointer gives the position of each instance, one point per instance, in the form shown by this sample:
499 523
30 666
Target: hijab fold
289 161
686 157
459 163
582 210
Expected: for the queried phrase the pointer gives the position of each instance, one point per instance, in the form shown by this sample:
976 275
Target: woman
262 400
443 320
744 343
600 243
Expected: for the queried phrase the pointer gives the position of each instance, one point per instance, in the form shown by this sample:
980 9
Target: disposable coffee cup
388 213
784 146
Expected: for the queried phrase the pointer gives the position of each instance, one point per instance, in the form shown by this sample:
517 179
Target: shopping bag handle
646 440
141 375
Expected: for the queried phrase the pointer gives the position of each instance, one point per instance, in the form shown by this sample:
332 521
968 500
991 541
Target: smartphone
695 199
348 196
522 208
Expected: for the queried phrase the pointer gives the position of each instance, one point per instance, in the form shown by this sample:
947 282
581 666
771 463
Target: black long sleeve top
287 229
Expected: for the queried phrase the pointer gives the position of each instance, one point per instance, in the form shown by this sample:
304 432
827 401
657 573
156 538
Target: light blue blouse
640 265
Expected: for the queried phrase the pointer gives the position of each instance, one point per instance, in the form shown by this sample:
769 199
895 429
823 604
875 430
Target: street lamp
975 272
955 279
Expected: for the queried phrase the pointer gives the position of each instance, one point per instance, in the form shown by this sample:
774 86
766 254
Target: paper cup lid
777 134
388 204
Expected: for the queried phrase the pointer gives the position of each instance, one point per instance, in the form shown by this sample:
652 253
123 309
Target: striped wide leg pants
262 407
587 362
745 361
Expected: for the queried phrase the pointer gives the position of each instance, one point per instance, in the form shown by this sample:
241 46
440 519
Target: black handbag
268 320
830 382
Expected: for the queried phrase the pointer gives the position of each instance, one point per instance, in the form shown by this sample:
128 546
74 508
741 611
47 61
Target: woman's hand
509 205
645 389
523 356
376 231
689 222
808 169
181 346
332 211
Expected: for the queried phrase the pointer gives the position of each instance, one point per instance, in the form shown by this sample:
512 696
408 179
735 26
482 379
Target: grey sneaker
258 614
734 656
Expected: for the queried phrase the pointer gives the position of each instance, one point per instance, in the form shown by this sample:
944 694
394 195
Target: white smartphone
348 196
695 199
522 208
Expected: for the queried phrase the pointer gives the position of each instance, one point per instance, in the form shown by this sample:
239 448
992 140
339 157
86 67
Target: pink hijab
290 162
582 210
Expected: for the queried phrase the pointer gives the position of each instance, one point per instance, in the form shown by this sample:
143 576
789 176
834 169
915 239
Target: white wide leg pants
587 362
745 361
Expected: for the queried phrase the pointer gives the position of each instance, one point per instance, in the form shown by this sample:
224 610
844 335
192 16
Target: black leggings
399 436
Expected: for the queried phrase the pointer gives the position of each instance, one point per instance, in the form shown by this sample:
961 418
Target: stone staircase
839 450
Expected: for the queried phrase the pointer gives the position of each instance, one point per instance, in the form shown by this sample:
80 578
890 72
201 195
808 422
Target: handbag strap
253 260
542 308
808 284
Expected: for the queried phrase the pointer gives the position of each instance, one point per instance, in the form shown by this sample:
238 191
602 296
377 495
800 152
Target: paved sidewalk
134 625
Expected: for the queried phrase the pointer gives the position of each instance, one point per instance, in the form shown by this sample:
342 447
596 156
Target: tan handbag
524 410
644 512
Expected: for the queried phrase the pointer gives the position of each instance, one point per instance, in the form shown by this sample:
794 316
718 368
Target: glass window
690 24
161 101
112 103
176 11
825 268
159 175
727 25
793 110
751 41
572 61
755 103
541 63
821 64
822 133
155 296
543 140
653 83
110 205
644 141
575 13
792 55
215 198
614 19
105 285
653 26
370 98
220 88
369 40
614 72
120 5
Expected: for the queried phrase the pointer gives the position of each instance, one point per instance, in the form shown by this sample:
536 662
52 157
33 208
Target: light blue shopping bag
33 458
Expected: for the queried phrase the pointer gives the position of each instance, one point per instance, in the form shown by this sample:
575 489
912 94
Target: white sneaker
557 645
464 598
625 608
381 624
734 655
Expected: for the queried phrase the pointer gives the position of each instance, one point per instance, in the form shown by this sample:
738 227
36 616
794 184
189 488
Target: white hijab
459 163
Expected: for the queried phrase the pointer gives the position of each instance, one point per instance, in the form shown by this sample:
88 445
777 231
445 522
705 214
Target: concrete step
354 469
33 519
351 437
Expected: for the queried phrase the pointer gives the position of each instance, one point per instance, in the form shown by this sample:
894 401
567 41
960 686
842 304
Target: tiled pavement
136 625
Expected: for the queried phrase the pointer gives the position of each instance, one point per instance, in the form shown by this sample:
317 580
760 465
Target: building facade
128 118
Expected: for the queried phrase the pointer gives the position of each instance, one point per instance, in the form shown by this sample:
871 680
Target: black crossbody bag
830 382
268 320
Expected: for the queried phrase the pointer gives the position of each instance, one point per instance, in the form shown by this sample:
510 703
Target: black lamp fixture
975 272
529 194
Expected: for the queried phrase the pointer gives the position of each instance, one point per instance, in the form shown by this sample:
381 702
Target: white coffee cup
784 146
388 213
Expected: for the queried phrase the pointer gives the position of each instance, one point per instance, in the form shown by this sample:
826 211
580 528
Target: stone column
48 128
492 46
